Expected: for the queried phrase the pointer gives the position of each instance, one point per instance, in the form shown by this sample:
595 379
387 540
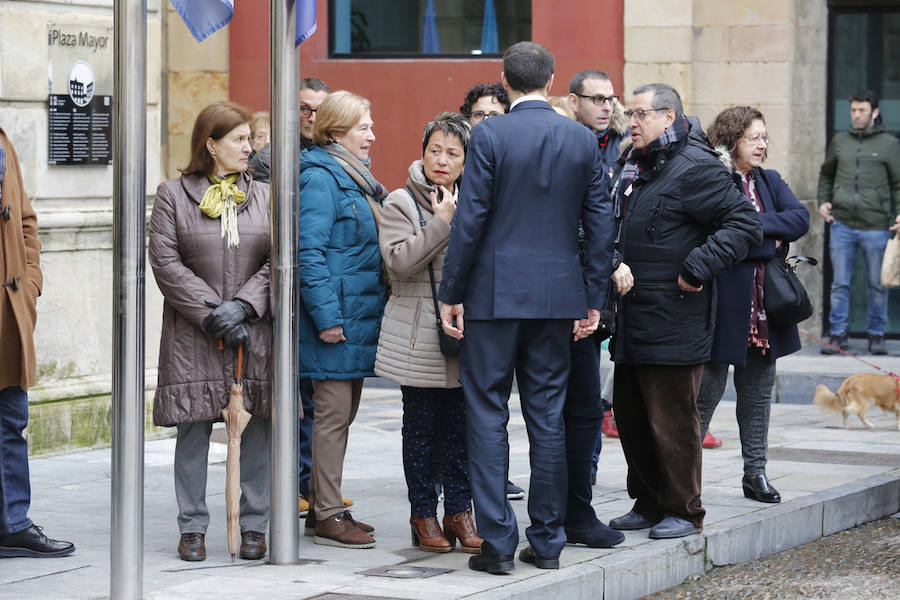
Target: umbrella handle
240 359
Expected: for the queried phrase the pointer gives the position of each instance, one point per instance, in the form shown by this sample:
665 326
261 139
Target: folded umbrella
236 419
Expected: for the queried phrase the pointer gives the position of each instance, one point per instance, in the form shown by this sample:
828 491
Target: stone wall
770 54
194 75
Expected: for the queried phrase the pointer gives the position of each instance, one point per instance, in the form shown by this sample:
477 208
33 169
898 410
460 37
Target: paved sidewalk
830 478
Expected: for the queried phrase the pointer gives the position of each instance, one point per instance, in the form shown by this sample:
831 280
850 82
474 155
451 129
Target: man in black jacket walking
680 221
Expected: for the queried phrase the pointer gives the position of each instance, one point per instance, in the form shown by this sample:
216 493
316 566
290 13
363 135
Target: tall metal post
129 207
284 80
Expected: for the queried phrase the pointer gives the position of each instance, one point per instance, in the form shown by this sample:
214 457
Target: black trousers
537 350
659 427
583 414
434 434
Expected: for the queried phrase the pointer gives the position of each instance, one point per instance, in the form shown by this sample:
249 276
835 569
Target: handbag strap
437 312
793 260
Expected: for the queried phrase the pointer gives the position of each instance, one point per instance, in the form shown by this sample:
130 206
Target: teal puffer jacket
861 178
341 280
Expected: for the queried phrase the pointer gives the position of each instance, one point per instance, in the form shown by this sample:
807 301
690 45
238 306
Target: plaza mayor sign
80 99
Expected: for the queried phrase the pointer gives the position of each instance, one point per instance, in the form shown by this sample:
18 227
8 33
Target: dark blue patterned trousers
434 449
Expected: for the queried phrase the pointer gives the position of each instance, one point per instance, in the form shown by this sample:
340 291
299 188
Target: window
454 28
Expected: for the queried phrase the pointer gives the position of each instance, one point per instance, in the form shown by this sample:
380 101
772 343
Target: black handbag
449 345
785 299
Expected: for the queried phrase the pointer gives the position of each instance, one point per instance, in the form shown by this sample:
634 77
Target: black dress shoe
757 487
530 556
32 543
253 545
632 520
497 564
192 547
672 527
595 535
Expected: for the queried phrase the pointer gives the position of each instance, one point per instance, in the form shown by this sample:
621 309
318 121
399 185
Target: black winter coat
684 217
786 219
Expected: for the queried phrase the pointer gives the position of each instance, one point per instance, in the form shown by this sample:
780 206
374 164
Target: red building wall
406 93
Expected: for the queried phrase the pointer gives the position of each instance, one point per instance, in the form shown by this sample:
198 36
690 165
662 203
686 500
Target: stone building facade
769 53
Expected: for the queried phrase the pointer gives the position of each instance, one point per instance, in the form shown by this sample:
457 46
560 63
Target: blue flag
204 17
306 20
430 43
489 43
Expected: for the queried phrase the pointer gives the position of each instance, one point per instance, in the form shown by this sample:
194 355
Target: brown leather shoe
339 531
191 547
309 528
427 534
462 526
253 545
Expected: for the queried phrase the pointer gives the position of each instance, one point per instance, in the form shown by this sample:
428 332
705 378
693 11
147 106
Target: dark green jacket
861 178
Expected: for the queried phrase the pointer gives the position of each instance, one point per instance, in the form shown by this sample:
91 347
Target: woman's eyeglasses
480 115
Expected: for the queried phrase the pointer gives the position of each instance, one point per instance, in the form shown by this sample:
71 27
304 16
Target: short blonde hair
562 106
338 112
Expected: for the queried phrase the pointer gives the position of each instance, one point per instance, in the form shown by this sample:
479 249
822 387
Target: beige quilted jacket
408 350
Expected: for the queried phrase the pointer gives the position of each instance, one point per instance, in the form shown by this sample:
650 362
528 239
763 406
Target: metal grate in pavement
404 572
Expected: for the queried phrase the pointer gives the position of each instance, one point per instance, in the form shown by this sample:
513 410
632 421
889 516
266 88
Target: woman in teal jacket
343 294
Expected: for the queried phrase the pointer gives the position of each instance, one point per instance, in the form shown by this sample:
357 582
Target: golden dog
857 393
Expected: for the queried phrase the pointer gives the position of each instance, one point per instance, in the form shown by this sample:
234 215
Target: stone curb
640 570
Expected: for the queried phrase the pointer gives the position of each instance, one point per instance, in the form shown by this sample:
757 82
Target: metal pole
284 81
129 207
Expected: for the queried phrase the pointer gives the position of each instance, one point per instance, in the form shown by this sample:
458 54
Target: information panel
80 135
79 102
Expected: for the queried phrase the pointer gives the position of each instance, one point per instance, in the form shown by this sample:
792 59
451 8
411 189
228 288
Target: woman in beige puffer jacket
415 231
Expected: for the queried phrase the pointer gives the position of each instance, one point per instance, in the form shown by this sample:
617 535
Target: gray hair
451 124
664 96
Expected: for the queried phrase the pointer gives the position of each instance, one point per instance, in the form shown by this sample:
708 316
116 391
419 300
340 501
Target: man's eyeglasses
600 99
306 111
480 115
756 139
641 113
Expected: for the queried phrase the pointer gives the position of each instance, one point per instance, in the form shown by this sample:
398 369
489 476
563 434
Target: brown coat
408 348
192 264
20 274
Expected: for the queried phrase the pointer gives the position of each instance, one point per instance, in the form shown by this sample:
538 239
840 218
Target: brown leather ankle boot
462 526
427 535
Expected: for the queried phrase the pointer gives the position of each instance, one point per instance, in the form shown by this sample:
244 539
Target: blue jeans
842 247
15 486
305 434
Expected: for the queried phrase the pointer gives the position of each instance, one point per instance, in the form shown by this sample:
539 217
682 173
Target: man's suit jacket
530 175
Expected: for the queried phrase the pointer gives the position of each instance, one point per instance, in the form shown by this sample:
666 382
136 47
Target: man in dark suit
513 264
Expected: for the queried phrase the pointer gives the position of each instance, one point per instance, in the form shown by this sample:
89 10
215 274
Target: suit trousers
753 383
583 414
15 483
659 427
191 458
537 351
337 401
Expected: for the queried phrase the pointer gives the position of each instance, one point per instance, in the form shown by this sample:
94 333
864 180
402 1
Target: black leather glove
227 316
236 336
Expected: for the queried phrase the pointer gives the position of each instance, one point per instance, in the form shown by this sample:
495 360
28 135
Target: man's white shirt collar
526 98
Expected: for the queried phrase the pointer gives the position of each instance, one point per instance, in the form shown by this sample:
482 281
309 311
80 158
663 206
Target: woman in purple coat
744 337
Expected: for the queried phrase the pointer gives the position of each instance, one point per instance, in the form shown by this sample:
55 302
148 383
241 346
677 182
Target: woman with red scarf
744 337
